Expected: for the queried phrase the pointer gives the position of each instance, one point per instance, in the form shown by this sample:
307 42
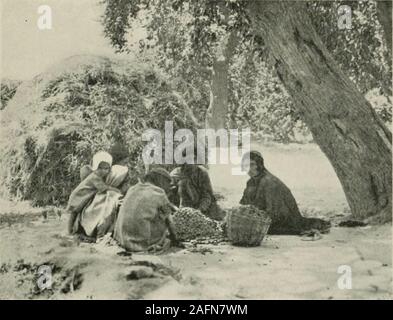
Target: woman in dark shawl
268 193
196 191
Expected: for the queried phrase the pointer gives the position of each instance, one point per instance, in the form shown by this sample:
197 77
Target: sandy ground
287 268
283 267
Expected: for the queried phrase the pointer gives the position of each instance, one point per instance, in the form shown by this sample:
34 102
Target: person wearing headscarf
98 218
121 157
100 156
88 188
144 220
196 191
268 193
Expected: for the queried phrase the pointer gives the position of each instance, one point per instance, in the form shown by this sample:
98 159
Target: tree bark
218 106
342 122
217 111
384 9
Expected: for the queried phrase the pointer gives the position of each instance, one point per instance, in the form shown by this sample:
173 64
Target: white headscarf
101 156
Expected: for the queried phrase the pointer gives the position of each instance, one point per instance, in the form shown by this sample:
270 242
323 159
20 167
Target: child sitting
94 183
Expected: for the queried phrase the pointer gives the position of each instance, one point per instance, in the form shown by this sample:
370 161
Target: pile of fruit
191 224
247 225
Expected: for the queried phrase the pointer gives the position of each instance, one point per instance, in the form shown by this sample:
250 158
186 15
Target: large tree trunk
218 106
341 120
384 9
217 111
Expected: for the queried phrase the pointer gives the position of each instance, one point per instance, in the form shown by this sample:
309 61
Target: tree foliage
8 89
360 51
183 37
57 121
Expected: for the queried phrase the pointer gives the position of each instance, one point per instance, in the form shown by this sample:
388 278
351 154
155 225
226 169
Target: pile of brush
57 121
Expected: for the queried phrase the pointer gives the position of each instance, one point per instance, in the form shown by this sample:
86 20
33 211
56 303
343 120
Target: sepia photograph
218 151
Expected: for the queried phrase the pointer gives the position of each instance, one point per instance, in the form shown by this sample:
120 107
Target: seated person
84 193
144 219
268 193
121 157
195 190
174 196
98 218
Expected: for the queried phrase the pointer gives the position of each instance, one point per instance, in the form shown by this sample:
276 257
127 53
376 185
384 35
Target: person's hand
173 207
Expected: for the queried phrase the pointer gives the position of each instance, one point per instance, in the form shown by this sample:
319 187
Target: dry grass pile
55 123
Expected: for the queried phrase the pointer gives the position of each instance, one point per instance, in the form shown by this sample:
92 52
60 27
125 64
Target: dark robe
196 192
270 194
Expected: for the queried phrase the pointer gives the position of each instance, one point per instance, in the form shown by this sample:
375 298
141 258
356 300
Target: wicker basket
248 230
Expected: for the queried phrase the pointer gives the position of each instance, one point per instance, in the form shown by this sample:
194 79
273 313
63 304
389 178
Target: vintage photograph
196 150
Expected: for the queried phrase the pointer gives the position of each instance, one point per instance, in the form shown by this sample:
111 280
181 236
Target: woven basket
247 230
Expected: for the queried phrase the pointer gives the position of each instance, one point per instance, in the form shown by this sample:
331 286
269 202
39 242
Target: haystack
56 122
